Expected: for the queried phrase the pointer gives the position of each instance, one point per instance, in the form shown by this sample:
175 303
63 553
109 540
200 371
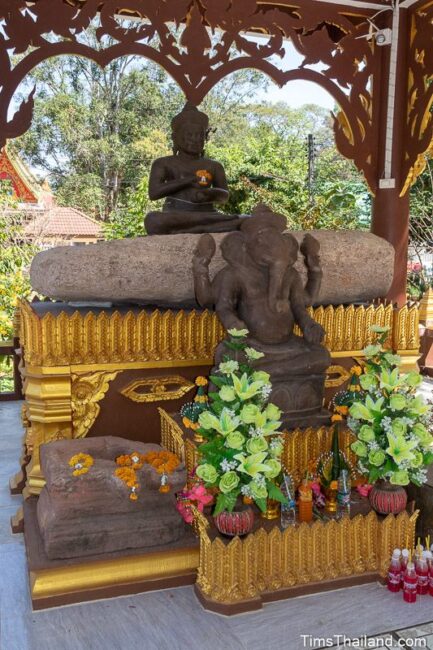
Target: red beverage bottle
404 560
429 557
410 584
394 572
422 572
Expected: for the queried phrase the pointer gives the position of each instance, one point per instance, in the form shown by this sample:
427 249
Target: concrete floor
174 620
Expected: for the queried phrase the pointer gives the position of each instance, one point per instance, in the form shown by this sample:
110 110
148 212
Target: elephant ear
232 245
292 244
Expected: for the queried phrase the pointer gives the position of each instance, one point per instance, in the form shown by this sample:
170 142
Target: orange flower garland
81 463
129 477
165 463
135 460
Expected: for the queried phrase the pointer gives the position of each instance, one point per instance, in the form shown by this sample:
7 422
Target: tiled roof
61 222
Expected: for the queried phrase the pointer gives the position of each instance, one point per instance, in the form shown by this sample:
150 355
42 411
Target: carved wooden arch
419 124
211 44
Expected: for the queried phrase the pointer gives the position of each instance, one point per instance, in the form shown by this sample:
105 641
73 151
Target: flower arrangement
81 463
388 418
242 448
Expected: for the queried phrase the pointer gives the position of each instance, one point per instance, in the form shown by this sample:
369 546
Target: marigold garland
201 381
129 477
163 461
81 463
135 460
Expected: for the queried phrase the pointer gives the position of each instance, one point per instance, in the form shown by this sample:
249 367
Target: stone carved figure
260 290
190 183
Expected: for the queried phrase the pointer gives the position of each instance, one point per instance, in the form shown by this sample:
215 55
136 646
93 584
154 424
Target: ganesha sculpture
260 290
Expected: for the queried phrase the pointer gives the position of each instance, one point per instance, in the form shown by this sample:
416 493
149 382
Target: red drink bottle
422 572
404 561
410 584
394 572
429 557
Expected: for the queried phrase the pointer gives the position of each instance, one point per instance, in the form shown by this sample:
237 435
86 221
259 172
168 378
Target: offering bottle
429 556
343 493
305 502
404 560
422 572
288 510
394 572
410 584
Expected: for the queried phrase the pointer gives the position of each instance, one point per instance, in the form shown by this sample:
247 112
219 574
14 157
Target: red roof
62 222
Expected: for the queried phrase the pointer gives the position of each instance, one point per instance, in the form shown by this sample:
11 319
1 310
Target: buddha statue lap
190 183
260 290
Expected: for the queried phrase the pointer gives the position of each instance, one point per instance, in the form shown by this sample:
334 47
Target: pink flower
185 511
199 494
364 490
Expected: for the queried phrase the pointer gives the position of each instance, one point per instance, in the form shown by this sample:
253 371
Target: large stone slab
357 267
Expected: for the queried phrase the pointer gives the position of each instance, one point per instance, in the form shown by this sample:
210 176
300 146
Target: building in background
43 220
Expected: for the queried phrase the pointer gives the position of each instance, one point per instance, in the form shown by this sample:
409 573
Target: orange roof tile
62 222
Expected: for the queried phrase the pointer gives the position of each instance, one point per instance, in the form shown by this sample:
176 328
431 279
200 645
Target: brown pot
239 522
386 498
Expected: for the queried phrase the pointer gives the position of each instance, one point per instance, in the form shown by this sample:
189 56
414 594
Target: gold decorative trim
159 389
86 391
171 435
186 336
264 561
426 308
63 580
336 376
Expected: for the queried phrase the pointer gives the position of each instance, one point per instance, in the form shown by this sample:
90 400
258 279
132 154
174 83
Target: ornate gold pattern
171 435
87 390
267 561
336 376
161 389
426 308
301 446
187 335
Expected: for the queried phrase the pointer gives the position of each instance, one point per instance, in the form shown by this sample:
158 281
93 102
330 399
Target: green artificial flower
255 445
252 354
273 468
243 389
393 359
374 406
261 375
249 413
207 420
359 448
258 490
368 381
399 448
228 367
366 433
227 394
377 457
228 482
424 437
399 427
359 411
207 473
418 460
252 464
276 448
267 427
238 334
401 477
235 440
227 423
413 379
397 402
418 406
272 412
389 380
372 350
380 329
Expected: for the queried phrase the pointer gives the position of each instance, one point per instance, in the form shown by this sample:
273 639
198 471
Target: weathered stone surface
357 266
92 513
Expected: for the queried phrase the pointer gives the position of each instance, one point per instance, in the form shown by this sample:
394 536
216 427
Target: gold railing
112 337
266 561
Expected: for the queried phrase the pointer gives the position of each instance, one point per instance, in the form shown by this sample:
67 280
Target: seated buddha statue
190 183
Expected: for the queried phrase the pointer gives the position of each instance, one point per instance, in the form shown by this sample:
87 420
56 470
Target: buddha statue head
190 129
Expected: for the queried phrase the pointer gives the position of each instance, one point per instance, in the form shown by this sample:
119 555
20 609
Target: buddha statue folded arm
190 183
